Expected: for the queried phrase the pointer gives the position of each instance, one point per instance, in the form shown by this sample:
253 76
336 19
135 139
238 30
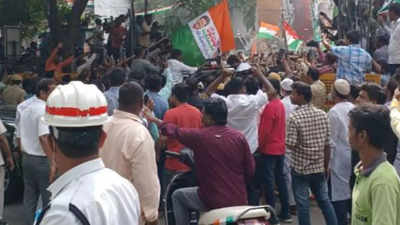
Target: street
13 215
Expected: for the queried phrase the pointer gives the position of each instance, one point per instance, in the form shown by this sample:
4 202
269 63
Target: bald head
131 97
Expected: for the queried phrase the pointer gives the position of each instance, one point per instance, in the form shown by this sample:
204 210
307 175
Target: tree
68 31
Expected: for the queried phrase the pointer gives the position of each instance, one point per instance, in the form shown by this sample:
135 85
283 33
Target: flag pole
282 27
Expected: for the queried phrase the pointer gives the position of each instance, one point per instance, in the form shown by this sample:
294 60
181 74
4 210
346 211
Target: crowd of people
93 131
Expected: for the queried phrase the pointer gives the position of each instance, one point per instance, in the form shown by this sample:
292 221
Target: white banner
114 8
206 35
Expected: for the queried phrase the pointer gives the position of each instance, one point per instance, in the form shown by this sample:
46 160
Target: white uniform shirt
243 111
394 44
178 69
100 194
21 107
340 163
31 127
3 130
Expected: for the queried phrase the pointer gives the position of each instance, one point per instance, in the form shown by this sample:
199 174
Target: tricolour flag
293 40
204 36
268 31
385 7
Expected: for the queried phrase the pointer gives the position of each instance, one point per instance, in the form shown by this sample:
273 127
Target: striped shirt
308 131
353 63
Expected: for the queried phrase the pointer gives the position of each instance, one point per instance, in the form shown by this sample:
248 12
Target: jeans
342 209
273 172
254 187
288 180
184 200
36 180
318 185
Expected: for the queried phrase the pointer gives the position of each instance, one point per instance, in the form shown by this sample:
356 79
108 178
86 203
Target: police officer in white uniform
84 191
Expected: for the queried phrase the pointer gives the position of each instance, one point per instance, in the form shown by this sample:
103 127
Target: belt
35 156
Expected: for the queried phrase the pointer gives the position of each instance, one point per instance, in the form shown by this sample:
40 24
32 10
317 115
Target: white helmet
76 105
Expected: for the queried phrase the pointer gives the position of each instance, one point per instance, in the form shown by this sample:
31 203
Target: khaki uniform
13 95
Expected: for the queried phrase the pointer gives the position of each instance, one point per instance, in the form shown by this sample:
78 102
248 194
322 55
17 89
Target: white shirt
243 67
243 111
21 107
100 194
178 69
394 44
30 125
3 130
340 163
289 107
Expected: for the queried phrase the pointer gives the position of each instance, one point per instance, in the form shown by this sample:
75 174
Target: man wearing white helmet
84 191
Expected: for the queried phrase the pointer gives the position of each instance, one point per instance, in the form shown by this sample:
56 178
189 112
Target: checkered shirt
308 130
353 63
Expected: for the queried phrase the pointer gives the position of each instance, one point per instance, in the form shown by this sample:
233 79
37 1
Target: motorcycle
237 215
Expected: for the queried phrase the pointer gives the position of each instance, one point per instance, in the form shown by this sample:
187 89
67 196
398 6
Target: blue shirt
160 105
353 63
112 96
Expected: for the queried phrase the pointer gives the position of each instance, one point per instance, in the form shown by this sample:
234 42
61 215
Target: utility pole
283 27
132 30
146 6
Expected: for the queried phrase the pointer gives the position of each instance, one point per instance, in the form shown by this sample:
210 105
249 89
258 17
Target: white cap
76 105
286 84
342 87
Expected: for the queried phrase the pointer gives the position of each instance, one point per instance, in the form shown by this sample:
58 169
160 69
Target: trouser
342 209
319 187
392 68
2 176
288 180
273 172
36 180
184 200
254 187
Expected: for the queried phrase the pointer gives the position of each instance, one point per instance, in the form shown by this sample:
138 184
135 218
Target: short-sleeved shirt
3 130
100 194
353 63
376 194
32 127
184 116
13 95
308 131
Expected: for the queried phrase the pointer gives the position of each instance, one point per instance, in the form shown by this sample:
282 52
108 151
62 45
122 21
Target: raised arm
264 81
214 85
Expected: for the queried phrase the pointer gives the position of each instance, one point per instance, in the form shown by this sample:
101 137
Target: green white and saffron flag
205 36
385 7
268 31
293 40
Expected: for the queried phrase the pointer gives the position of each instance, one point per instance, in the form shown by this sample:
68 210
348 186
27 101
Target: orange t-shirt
184 116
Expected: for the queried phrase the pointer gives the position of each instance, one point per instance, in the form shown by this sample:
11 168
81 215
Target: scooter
238 215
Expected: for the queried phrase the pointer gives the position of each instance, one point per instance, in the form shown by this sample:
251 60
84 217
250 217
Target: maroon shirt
224 163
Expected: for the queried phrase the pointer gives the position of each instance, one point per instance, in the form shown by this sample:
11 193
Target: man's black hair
216 108
77 142
353 36
130 94
234 86
374 120
117 77
395 8
314 74
303 89
176 53
375 92
276 84
154 82
181 92
252 85
43 85
233 60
